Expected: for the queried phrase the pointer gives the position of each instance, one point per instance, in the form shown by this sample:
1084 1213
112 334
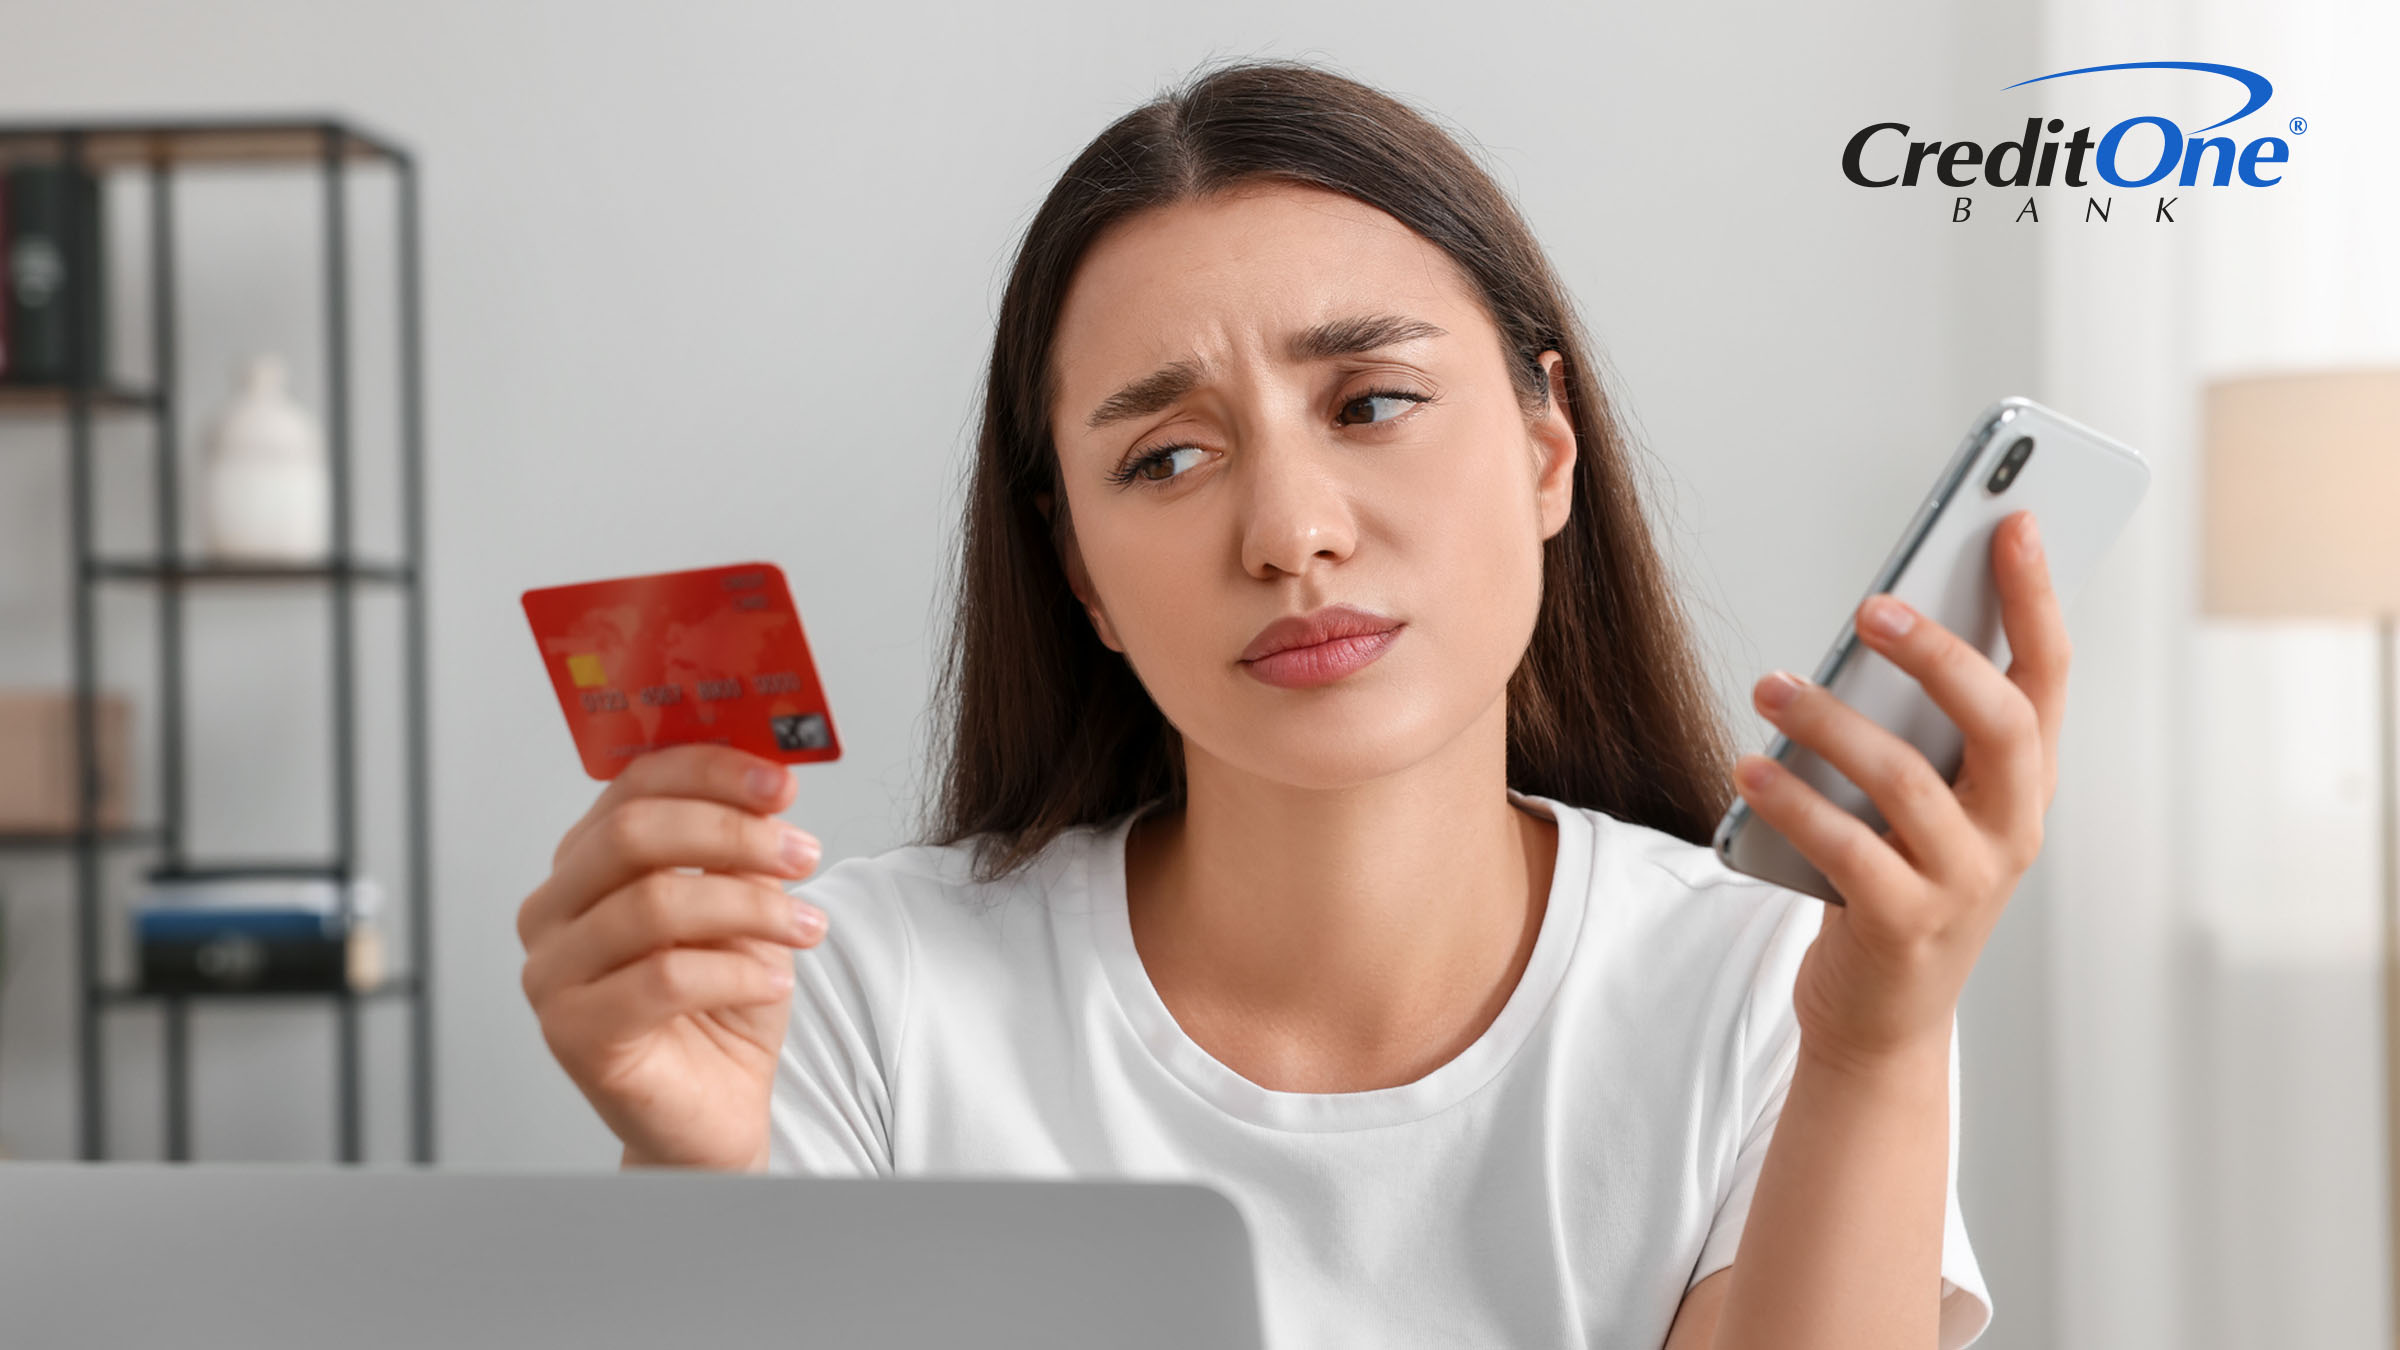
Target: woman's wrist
634 1158
1900 1061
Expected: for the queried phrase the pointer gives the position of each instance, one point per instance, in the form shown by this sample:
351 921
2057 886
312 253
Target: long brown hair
1047 728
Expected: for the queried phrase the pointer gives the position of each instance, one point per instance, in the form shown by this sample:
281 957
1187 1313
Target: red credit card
714 654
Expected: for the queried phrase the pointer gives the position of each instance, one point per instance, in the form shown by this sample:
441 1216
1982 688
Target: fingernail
1754 773
766 782
1779 690
807 919
2030 547
1889 617
800 848
781 976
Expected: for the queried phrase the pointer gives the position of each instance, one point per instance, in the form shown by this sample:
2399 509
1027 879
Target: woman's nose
1298 507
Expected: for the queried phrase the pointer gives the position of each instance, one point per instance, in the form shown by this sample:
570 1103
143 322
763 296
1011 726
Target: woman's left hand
1883 977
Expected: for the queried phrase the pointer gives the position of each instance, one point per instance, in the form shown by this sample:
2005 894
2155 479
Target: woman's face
1278 399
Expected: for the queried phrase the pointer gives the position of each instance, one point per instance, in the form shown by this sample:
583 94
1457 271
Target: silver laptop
269 1256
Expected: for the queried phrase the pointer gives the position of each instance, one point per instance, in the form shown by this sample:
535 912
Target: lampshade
2300 495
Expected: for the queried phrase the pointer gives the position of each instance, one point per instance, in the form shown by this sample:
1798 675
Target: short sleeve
1767 1078
830 1113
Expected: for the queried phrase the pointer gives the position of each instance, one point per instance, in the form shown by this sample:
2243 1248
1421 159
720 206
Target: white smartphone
2080 485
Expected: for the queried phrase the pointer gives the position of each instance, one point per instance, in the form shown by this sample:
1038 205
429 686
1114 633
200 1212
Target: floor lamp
2300 518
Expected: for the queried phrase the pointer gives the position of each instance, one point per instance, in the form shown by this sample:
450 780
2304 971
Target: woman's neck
1340 940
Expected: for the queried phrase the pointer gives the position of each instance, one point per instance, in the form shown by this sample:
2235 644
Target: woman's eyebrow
1363 333
1336 337
1154 391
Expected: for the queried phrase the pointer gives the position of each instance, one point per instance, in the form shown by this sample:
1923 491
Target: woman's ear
1070 557
1553 434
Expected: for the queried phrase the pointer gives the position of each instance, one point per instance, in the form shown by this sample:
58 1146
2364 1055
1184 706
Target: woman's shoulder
1707 954
1662 894
916 891
918 917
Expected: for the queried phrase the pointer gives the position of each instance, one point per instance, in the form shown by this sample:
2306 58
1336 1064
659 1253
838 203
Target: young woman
1325 810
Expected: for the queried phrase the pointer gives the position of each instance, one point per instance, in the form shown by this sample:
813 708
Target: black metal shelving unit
333 150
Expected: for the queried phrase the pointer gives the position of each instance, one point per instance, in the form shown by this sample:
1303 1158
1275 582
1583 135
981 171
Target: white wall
2220 1176
714 282
2285 938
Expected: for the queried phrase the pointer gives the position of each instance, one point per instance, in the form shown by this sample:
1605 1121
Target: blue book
193 925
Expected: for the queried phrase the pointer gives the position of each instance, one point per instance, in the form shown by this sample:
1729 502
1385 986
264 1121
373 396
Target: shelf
399 986
52 398
150 569
124 143
154 156
111 836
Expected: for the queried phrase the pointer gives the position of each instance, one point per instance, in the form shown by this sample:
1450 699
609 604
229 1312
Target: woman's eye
1158 466
1140 468
1381 405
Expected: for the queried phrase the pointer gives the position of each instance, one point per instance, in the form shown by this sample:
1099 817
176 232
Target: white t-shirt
1562 1181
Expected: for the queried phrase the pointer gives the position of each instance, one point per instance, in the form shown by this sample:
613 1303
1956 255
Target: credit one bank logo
2143 152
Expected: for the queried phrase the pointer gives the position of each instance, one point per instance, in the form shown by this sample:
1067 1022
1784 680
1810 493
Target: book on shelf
264 952
275 933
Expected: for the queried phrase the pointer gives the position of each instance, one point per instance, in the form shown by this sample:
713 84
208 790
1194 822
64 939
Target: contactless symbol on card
715 654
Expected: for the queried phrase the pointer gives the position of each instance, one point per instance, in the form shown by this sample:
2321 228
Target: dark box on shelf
49 232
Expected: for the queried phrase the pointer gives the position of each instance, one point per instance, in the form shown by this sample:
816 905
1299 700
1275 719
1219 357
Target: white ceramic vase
264 493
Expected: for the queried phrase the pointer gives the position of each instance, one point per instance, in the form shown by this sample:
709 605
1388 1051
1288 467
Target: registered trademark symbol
2299 125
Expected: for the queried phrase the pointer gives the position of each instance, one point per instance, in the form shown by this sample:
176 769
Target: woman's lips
1322 662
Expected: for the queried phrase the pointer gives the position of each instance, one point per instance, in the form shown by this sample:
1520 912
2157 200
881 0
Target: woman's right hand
664 993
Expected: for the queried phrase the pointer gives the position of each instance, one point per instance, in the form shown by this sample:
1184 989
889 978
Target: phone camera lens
2011 464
